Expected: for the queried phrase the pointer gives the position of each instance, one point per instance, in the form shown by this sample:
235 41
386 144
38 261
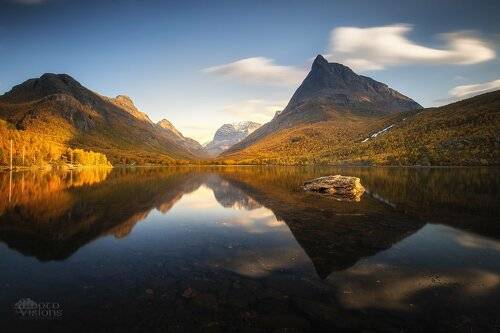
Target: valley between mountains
335 117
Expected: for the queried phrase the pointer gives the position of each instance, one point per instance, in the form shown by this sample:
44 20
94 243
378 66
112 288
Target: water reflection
437 270
50 215
418 237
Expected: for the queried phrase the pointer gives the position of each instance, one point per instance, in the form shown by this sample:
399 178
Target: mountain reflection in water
248 241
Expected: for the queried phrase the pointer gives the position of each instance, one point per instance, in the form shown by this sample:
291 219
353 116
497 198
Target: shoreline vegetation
23 149
32 152
68 167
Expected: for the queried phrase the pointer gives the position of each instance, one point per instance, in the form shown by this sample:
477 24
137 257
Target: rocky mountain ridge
229 134
69 114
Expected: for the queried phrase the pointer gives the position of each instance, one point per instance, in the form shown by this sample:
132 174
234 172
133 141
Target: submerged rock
343 188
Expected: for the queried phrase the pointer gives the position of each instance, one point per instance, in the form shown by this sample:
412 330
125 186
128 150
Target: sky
201 64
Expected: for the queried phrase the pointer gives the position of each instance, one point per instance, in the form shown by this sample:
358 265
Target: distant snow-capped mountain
228 135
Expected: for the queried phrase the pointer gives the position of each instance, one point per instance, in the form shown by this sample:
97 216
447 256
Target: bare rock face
228 135
342 188
336 84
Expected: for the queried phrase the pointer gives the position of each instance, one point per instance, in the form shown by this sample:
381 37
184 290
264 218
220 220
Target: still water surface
245 247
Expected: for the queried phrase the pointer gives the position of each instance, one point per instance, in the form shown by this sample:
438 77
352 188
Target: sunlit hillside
32 149
462 133
58 112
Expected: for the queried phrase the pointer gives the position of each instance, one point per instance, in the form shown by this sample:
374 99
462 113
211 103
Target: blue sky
204 63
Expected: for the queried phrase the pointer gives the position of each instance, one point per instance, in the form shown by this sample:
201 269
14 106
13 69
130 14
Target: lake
228 248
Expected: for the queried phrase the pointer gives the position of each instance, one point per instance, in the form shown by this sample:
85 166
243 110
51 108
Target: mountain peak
124 101
167 125
230 134
245 125
124 98
164 123
337 85
321 66
168 129
61 83
319 60
45 85
64 78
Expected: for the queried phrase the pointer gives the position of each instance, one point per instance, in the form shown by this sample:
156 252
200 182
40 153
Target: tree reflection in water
380 254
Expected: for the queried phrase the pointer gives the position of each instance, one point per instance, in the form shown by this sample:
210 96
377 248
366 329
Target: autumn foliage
31 149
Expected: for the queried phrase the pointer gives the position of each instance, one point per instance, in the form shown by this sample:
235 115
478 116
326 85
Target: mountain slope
61 110
228 135
461 133
175 135
333 91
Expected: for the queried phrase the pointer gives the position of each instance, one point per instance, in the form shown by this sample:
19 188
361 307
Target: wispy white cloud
258 110
372 48
376 48
259 70
466 91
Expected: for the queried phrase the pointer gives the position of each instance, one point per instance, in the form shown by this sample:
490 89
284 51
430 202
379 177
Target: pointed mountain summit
337 84
167 125
128 105
332 91
339 117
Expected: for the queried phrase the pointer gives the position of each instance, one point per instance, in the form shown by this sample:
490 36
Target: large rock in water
342 188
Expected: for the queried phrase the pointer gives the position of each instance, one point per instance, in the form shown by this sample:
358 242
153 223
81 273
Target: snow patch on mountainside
374 135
